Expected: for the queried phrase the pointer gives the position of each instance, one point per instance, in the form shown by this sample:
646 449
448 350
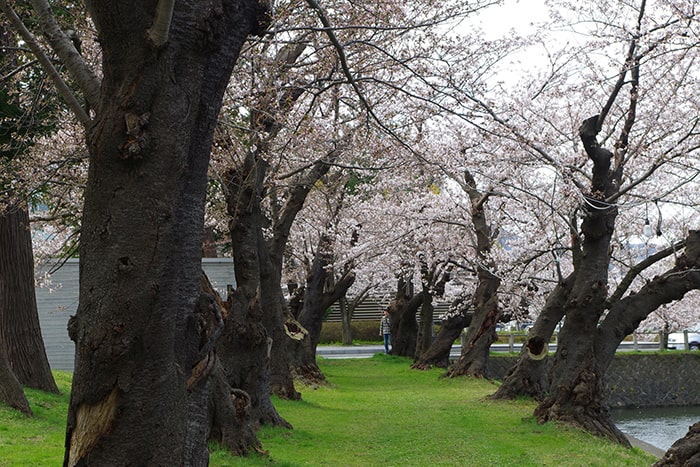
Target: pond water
658 426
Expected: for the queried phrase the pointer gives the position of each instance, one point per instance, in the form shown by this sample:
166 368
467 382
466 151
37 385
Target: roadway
366 351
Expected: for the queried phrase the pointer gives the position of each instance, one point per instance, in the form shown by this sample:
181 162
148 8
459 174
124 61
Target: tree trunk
685 452
481 333
209 318
528 377
244 349
291 336
438 355
136 333
11 392
266 117
576 392
346 312
625 315
425 326
19 318
282 328
404 327
209 249
321 291
259 282
230 414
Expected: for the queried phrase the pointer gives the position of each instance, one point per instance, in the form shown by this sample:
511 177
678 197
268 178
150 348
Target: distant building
57 301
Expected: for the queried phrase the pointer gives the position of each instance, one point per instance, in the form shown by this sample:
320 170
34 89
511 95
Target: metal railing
637 341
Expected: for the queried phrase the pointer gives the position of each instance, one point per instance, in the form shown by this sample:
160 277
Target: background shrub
364 331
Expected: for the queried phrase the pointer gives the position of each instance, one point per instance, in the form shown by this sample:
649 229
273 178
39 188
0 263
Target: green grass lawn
37 440
374 412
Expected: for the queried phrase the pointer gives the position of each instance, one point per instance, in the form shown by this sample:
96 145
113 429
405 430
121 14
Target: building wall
58 300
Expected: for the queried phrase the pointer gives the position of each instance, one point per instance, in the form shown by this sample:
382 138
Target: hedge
364 330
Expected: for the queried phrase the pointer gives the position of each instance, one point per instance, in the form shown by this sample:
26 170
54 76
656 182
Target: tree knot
136 136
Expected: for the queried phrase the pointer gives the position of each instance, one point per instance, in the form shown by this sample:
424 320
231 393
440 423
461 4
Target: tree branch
45 62
637 269
158 32
70 57
630 59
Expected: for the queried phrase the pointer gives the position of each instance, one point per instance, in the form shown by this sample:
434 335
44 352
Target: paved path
363 351
366 351
643 445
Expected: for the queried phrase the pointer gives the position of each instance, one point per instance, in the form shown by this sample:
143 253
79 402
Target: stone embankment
641 380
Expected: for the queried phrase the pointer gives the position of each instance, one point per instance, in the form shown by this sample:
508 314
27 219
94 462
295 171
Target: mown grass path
378 412
373 412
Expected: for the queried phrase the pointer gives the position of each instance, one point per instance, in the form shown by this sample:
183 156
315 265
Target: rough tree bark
623 318
425 325
245 192
208 318
295 197
282 328
266 119
433 281
625 315
402 312
265 124
320 292
481 333
529 376
685 452
165 66
244 348
240 394
576 391
230 415
11 392
587 345
19 318
438 355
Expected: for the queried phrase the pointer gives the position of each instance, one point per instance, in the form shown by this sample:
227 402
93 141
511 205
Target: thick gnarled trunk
136 333
245 347
425 325
404 326
320 292
19 318
481 333
11 392
529 376
438 355
684 452
576 391
280 325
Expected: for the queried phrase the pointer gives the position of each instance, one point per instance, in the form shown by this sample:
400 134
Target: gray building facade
57 301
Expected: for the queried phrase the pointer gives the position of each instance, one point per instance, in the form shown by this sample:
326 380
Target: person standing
385 330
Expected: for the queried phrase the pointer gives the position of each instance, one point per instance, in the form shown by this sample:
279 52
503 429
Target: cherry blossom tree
25 118
149 118
309 89
650 161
